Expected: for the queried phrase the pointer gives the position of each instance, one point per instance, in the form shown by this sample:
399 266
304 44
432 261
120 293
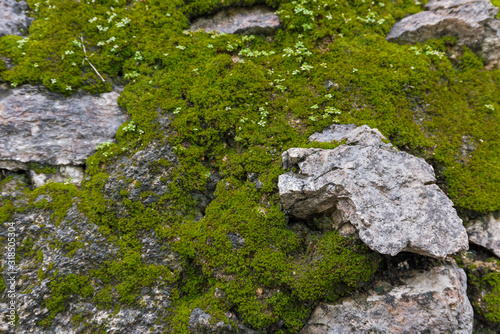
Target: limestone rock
389 196
70 174
202 322
37 126
485 231
472 22
429 302
258 19
13 19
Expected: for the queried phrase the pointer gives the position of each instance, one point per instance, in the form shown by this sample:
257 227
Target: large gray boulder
38 126
472 22
428 302
13 19
485 231
389 196
258 19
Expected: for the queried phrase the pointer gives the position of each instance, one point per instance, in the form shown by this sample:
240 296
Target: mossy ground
236 103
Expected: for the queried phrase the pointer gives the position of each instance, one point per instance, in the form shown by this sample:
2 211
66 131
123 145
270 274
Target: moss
62 288
43 169
492 299
6 210
264 260
2 283
483 280
496 3
62 197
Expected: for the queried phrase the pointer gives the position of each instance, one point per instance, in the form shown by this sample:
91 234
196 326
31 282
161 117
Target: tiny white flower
53 81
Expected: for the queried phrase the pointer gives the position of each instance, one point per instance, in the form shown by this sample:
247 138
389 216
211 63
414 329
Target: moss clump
496 3
58 197
244 240
62 289
2 284
6 210
483 280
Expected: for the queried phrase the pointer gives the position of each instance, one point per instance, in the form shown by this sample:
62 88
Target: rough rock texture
428 302
472 22
13 19
258 19
389 196
201 322
37 126
69 174
485 231
74 246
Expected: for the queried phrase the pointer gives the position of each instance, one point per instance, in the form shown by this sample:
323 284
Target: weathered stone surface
37 126
201 322
13 19
258 19
389 196
74 246
69 174
429 302
472 22
485 231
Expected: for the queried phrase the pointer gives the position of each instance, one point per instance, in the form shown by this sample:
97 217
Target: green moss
496 3
2 283
265 260
43 169
492 299
6 210
62 289
483 280
62 197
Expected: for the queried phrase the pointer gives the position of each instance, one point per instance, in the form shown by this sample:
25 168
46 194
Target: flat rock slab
13 19
429 302
472 22
485 231
37 126
389 196
255 20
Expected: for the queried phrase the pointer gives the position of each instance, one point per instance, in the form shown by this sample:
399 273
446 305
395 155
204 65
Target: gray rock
65 174
485 231
201 322
472 22
429 302
389 196
37 126
258 19
363 135
13 19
